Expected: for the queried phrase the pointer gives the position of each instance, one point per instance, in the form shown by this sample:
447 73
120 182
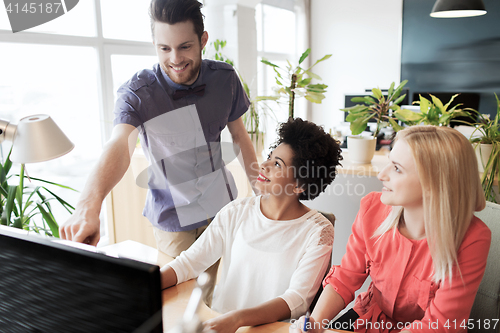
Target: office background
71 67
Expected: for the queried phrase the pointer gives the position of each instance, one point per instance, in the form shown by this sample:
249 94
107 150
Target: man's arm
268 312
83 226
242 139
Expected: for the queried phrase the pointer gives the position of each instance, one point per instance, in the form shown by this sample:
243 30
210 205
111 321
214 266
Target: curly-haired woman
274 248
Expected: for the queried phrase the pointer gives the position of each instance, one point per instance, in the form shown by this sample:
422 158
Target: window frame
300 8
105 48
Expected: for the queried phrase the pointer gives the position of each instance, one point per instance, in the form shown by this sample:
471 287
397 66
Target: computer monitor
468 100
50 287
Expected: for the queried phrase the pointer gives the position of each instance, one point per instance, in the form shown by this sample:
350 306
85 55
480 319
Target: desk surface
175 299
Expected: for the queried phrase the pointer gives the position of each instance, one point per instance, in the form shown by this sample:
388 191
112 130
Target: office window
50 83
124 66
280 37
126 19
275 30
70 68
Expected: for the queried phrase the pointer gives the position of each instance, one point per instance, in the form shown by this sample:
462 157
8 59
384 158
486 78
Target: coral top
402 293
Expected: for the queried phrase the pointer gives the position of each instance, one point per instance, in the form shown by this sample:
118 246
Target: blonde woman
418 240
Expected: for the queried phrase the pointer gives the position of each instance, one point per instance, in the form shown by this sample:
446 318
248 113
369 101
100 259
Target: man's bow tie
199 90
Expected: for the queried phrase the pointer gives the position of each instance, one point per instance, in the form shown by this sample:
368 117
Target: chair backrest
486 308
330 218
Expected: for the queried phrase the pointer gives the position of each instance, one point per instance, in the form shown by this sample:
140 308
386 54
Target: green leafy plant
259 110
490 134
295 81
28 207
432 112
376 106
217 46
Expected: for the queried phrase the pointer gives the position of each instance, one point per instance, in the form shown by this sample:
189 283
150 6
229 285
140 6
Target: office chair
487 303
330 218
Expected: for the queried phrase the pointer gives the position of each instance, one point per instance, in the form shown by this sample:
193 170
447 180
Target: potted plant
295 82
28 207
377 107
254 119
432 112
487 148
258 110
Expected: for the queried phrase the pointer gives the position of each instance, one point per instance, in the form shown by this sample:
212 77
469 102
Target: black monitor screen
466 100
50 287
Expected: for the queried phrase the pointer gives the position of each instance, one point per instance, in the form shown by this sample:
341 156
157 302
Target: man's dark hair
315 155
175 11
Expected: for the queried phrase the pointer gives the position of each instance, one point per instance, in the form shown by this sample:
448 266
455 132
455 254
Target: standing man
179 109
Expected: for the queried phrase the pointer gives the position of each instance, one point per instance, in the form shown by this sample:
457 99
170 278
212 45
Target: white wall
364 37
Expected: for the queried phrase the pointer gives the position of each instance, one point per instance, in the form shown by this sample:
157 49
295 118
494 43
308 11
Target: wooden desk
175 299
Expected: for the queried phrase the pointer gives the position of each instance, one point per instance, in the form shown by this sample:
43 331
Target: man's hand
82 227
227 323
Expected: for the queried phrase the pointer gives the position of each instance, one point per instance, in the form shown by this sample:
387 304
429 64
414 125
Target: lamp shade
39 139
458 8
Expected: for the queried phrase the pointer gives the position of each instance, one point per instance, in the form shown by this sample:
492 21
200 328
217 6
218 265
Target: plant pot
483 152
361 149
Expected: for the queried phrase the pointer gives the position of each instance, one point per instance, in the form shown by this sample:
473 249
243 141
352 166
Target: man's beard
189 76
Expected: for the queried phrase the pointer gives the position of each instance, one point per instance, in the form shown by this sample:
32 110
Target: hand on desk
226 323
83 227
298 326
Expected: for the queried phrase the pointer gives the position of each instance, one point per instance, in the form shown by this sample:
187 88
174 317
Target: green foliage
375 106
490 131
218 45
431 112
28 207
258 110
295 81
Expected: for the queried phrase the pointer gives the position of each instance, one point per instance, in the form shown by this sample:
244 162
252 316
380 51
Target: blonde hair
447 169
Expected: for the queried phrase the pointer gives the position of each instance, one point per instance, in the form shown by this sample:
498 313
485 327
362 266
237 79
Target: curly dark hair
315 155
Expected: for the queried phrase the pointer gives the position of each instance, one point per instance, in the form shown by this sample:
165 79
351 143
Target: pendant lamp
458 8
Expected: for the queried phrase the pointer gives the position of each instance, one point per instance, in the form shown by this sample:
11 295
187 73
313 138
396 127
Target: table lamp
35 139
